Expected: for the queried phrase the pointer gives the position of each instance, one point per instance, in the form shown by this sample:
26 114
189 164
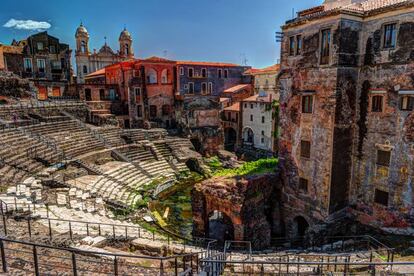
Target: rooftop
96 73
207 63
270 69
237 88
267 98
234 107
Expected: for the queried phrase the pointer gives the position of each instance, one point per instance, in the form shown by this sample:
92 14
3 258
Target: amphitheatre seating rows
112 135
138 153
71 138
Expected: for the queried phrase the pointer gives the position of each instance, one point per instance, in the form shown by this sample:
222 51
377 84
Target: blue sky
206 30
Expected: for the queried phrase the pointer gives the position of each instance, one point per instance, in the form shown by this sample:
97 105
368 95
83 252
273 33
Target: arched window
85 69
83 46
152 76
164 76
126 49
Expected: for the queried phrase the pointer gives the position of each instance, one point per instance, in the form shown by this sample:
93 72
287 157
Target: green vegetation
250 168
213 163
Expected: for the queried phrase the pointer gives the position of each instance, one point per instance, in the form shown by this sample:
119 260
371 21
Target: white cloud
27 24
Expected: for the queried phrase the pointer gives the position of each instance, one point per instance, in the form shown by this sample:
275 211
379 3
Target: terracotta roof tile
258 98
269 69
237 88
207 63
96 73
234 107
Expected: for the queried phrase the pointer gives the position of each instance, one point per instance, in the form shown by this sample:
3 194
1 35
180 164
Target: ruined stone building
42 59
346 116
88 62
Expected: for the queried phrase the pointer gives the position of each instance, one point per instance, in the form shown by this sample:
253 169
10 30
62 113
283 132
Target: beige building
265 80
88 62
257 121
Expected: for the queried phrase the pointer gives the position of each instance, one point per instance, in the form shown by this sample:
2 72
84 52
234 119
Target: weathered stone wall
243 200
344 132
390 71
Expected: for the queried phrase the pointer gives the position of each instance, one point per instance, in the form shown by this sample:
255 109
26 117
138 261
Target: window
39 45
52 49
303 184
407 103
298 45
139 110
376 104
381 197
262 140
210 87
305 147
126 49
191 87
251 106
390 35
85 69
204 88
166 110
137 91
226 73
152 77
220 73
164 76
263 119
27 64
383 158
307 104
153 111
245 105
83 47
291 46
251 118
325 46
182 71
41 65
136 73
204 73
190 72
263 132
56 64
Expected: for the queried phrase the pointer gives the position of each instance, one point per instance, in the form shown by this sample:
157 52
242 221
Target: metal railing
41 258
74 228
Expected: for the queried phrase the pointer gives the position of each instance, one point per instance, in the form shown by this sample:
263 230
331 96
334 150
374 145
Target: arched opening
85 69
126 49
194 165
300 226
196 143
152 76
248 135
230 138
220 227
83 47
164 76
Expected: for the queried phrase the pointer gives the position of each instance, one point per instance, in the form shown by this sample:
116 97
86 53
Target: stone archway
220 227
300 226
248 135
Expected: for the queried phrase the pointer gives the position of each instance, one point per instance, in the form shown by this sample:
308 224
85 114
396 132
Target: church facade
88 62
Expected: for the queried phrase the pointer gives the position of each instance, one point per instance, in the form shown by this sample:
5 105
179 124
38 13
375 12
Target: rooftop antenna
293 13
244 60
105 39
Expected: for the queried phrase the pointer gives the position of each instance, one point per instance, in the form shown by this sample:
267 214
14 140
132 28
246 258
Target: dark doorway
196 143
300 226
220 227
88 94
127 124
102 94
230 139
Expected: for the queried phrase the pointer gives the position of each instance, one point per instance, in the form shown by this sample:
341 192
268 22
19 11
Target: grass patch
260 166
